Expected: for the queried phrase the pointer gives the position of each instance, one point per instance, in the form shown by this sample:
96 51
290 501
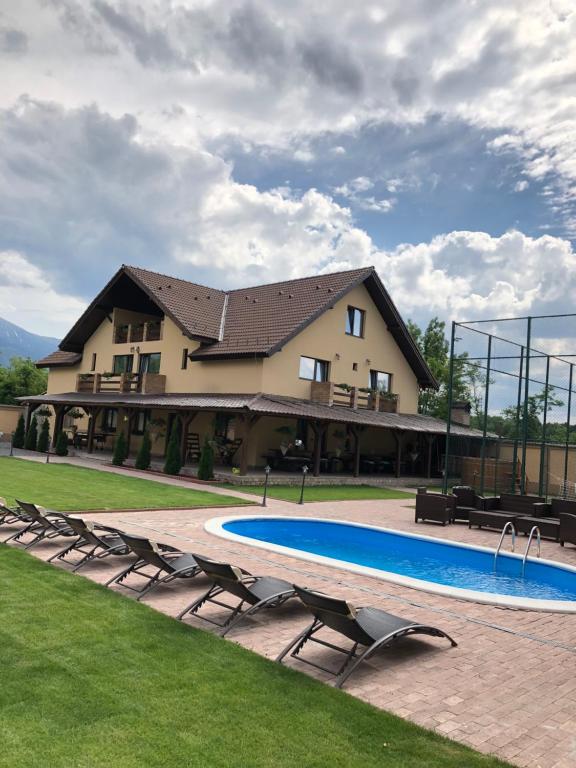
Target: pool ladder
534 530
510 525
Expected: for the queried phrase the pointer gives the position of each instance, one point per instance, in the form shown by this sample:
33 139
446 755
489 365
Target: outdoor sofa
496 511
434 507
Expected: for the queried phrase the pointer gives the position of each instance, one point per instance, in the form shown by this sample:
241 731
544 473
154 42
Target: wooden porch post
93 414
247 420
319 428
430 440
399 437
186 418
356 430
59 411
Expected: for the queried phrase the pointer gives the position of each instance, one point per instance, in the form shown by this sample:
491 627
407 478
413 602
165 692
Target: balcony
144 383
133 333
328 393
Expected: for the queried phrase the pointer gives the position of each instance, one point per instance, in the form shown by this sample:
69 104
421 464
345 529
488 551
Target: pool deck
509 688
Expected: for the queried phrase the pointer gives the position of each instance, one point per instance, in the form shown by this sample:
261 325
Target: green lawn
324 492
67 488
92 679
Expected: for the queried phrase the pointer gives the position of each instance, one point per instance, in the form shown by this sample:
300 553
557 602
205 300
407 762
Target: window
184 359
380 381
110 420
313 370
141 423
93 366
149 363
354 366
122 364
355 321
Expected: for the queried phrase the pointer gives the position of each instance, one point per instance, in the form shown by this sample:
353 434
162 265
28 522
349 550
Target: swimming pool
421 562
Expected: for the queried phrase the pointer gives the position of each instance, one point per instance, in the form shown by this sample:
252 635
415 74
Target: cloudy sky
236 142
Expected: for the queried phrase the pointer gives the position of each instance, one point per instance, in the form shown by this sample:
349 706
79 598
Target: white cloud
28 299
521 186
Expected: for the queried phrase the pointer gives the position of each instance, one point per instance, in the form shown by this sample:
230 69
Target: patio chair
9 515
369 627
164 559
44 524
466 501
256 591
95 542
436 507
567 528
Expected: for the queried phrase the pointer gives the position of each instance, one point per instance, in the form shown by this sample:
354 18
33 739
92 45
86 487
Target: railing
136 332
147 383
534 530
328 393
510 525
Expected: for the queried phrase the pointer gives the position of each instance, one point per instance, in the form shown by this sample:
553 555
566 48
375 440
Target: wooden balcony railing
136 332
328 393
146 383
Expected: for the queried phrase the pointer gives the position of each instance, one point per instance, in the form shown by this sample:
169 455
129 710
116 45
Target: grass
324 492
67 488
92 679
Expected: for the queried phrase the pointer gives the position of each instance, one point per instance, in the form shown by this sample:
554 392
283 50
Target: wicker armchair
435 507
567 529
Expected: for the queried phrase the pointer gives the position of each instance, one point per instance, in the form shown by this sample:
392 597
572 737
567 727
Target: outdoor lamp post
266 476
304 473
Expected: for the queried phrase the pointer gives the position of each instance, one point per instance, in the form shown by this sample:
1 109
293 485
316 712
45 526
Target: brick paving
509 688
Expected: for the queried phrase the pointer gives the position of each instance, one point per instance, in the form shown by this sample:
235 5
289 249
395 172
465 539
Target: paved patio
509 688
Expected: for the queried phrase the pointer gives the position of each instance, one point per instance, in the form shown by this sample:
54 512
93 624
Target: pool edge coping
215 526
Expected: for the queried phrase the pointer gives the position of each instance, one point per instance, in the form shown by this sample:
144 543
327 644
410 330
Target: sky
235 142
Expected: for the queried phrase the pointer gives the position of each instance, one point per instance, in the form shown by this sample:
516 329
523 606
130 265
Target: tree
206 463
44 438
19 378
435 349
20 433
120 450
173 462
535 410
31 441
143 456
61 447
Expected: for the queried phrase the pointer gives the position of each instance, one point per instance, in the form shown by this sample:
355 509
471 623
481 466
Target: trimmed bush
44 438
120 450
61 447
173 462
31 441
19 433
143 457
206 464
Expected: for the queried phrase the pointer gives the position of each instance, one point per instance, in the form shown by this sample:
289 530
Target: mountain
16 342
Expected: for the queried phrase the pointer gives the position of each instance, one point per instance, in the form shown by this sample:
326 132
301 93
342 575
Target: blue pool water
426 559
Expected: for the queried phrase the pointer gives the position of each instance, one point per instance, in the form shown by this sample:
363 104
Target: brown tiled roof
247 322
59 358
196 309
271 405
259 320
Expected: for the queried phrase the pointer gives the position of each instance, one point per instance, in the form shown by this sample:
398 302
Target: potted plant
388 402
44 410
75 413
340 435
285 444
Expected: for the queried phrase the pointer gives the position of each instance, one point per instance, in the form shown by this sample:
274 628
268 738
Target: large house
321 370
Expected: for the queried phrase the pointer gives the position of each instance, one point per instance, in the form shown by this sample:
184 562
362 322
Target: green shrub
206 464
120 450
44 438
143 457
19 433
61 447
32 435
173 462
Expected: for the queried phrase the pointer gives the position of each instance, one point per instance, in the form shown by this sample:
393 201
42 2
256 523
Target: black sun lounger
256 592
43 525
94 542
166 560
368 627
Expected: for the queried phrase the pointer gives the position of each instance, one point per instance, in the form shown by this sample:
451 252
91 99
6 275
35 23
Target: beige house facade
319 371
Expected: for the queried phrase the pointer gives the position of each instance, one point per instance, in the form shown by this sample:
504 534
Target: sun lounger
43 525
94 542
168 564
256 592
368 627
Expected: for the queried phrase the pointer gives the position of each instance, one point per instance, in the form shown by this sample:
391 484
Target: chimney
460 413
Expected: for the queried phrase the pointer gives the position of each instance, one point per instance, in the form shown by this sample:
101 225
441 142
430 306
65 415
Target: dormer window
355 321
